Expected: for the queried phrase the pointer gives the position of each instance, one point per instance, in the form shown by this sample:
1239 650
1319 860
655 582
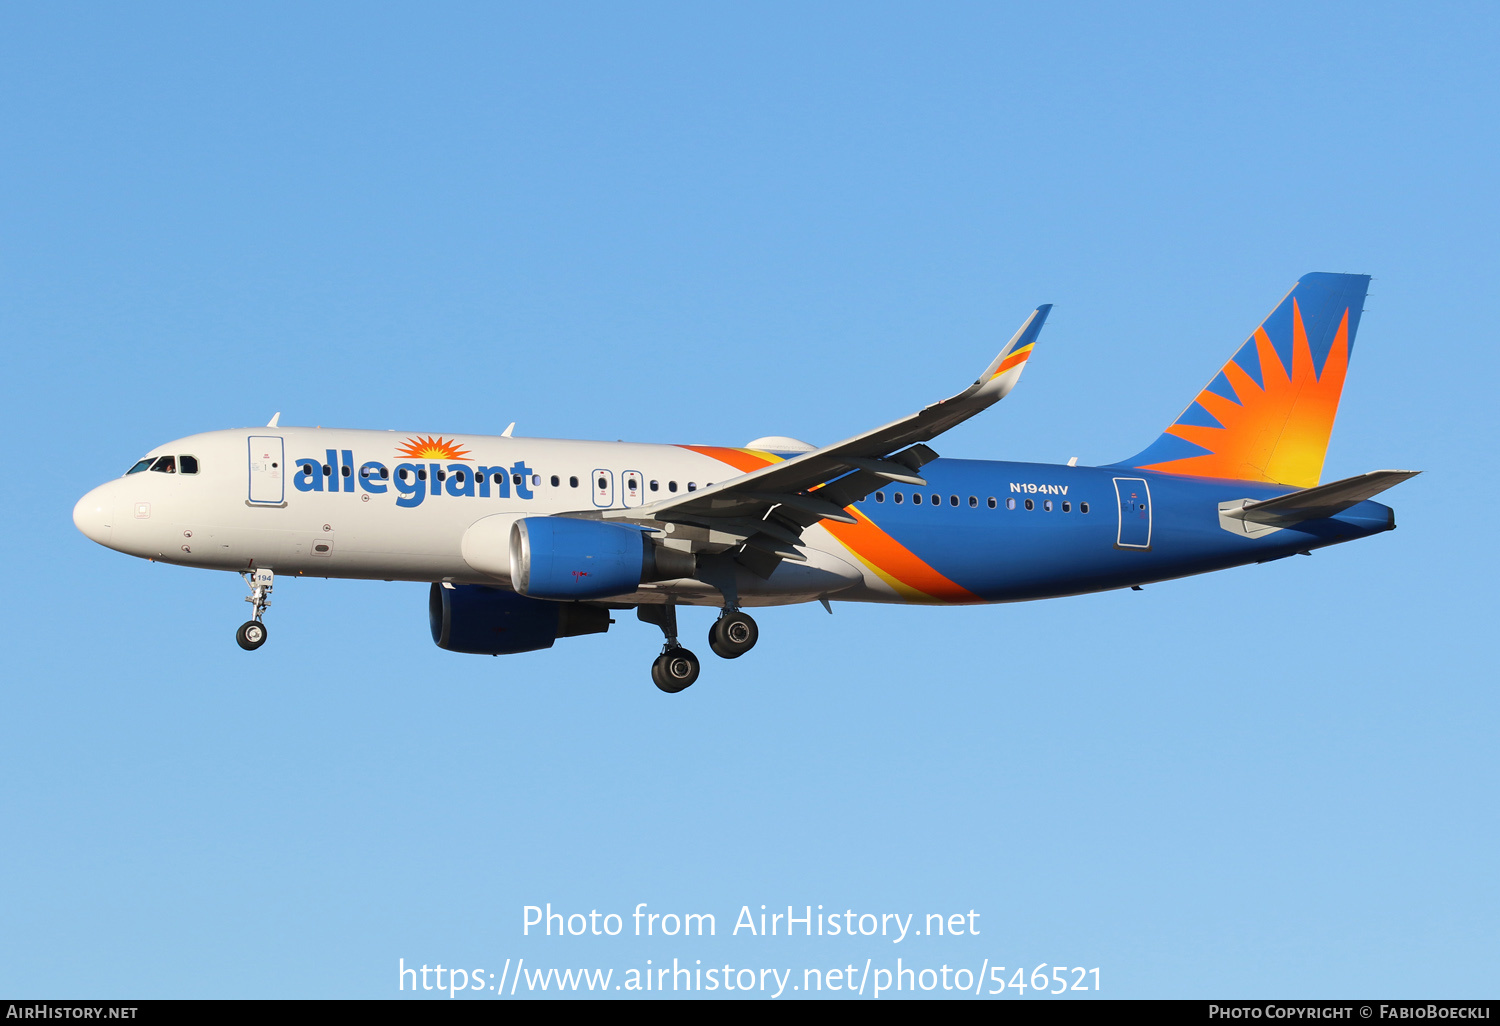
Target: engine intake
567 558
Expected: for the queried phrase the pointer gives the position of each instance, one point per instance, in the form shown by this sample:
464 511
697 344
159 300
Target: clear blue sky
688 223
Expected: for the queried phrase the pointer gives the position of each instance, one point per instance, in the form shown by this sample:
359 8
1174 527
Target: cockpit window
188 464
165 465
140 466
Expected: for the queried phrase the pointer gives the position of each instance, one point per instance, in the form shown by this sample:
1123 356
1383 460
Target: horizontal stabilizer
1320 502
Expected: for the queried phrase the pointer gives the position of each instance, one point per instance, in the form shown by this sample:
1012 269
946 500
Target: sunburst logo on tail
1276 430
430 448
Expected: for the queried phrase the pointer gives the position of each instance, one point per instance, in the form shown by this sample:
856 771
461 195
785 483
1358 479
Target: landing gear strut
252 633
676 668
733 634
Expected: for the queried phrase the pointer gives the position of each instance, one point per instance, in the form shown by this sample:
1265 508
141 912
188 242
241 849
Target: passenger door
267 471
1134 497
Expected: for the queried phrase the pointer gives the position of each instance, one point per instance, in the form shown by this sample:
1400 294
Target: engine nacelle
567 558
482 620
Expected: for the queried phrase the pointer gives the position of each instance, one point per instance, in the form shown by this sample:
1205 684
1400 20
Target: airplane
528 540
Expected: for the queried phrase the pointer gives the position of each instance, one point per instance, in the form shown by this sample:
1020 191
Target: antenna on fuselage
507 431
274 418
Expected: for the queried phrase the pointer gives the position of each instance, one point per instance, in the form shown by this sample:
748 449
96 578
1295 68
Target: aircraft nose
94 515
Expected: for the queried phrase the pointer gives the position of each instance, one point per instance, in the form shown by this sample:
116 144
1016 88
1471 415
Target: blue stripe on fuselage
1008 554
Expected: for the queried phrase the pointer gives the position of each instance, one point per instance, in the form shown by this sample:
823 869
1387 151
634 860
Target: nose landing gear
676 668
252 633
733 634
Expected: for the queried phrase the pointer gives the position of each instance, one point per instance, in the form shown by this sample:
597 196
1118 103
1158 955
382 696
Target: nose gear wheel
251 635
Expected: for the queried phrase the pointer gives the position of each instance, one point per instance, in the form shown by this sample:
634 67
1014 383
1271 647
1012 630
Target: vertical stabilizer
1268 414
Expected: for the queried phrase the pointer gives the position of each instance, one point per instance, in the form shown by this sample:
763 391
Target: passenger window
499 478
973 501
1067 507
442 475
671 486
327 470
880 496
1083 507
603 484
384 473
515 479
572 482
1030 504
1047 506
656 486
401 474
937 500
1010 503
187 464
953 500
421 474
692 487
165 465
992 502
916 497
555 481
342 470
898 498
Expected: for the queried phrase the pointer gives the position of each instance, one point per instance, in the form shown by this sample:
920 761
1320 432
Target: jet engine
567 558
482 620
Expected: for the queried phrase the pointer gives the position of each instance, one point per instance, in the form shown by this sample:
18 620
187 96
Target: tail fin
1268 414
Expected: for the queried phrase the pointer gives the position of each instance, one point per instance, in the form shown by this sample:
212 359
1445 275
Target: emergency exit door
267 471
632 489
604 488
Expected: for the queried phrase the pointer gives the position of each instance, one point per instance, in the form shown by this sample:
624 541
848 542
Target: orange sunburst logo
1277 431
430 448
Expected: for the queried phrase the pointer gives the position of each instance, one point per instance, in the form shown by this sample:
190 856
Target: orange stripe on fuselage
897 565
907 574
744 460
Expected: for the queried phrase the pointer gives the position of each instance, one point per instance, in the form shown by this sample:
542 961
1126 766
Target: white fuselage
333 503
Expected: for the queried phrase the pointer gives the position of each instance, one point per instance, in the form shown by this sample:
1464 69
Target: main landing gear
676 668
252 633
731 636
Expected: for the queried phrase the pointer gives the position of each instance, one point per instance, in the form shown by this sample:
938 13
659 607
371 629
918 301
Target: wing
764 512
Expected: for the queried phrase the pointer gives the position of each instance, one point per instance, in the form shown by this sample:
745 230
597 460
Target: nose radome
94 515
